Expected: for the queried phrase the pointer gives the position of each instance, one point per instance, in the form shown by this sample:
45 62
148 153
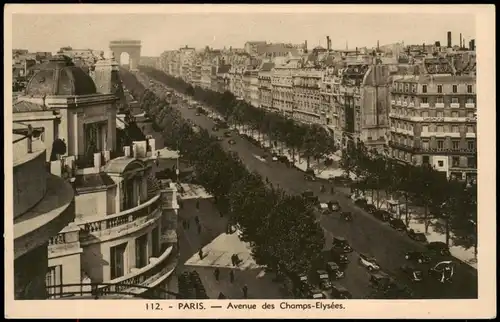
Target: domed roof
60 76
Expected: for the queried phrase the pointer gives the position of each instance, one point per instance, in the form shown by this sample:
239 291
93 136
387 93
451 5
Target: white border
484 307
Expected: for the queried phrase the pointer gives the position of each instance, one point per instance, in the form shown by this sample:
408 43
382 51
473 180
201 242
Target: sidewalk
192 191
218 248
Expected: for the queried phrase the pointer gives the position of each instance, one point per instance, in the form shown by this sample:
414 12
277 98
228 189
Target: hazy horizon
49 32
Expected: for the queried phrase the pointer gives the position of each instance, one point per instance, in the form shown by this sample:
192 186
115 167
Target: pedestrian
322 188
267 180
187 223
331 190
245 291
221 296
197 204
199 229
200 253
231 276
216 273
197 220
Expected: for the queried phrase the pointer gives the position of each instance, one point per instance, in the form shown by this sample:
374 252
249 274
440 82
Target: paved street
366 234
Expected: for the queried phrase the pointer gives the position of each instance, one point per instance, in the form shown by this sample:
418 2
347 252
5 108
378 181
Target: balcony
470 105
424 105
439 105
411 104
405 104
393 102
455 105
101 226
136 284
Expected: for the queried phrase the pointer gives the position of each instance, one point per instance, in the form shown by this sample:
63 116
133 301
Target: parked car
220 138
397 224
227 134
232 142
334 270
369 262
340 180
322 279
310 172
283 158
340 244
360 202
382 215
334 205
439 248
370 208
309 177
380 280
416 256
417 236
338 257
346 215
314 293
215 129
340 292
413 272
198 114
443 271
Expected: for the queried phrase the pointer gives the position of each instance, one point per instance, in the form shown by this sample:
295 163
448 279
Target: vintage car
346 215
443 271
382 215
232 142
340 292
322 279
339 257
413 272
341 244
380 280
416 256
334 270
417 236
333 205
369 262
397 224
439 248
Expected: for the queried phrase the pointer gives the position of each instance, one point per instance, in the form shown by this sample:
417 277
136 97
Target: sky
167 31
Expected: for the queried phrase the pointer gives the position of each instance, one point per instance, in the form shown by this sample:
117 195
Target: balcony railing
439 105
58 239
455 105
136 284
470 105
122 218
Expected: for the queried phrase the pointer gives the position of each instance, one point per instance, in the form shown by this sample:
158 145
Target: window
439 99
425 159
440 144
413 88
53 280
469 88
470 114
425 128
455 88
425 144
407 87
471 162
470 100
440 88
454 129
455 161
454 114
455 145
439 114
470 129
454 100
424 88
425 114
471 145
155 236
440 164
440 129
425 100
118 260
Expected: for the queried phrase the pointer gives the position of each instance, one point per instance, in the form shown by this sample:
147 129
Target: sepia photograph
179 154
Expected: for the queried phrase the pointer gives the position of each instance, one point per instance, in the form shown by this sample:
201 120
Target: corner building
433 121
121 238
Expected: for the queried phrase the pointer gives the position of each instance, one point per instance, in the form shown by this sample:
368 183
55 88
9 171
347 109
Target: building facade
265 87
121 237
307 96
282 89
433 121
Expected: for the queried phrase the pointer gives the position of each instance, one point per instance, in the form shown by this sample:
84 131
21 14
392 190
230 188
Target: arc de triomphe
131 47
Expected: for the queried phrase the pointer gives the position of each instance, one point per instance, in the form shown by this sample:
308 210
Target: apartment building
282 88
206 71
254 88
329 102
196 71
433 121
121 233
265 87
187 56
222 78
307 95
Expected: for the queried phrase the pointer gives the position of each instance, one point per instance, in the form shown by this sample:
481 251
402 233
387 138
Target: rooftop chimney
449 39
328 43
461 40
305 46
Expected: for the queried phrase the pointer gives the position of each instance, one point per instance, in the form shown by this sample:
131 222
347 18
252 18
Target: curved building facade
119 240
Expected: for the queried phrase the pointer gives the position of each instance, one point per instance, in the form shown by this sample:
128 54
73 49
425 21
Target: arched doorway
124 59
